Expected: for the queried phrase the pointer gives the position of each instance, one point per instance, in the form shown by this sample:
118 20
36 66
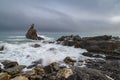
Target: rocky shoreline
92 71
104 62
105 65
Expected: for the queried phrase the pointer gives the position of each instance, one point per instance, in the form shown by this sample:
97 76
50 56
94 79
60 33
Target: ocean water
18 48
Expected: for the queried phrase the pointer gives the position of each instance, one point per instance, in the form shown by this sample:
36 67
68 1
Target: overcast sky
60 15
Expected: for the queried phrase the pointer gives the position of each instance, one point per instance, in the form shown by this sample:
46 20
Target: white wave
16 37
24 54
46 38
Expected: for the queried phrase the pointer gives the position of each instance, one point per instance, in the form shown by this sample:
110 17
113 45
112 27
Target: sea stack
32 34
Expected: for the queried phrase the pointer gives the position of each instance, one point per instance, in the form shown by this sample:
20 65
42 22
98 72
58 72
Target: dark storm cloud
60 15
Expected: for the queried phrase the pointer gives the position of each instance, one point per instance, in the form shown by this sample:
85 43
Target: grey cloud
59 15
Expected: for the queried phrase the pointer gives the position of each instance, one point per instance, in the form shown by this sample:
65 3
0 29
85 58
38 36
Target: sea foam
25 54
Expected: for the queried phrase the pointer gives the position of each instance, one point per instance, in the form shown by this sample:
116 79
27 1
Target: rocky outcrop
32 34
99 44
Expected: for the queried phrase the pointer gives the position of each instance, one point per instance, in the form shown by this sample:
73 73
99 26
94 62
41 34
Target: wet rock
87 54
89 61
48 69
91 54
31 66
40 38
4 76
117 50
20 78
106 47
61 38
65 73
99 44
99 38
15 70
94 48
68 43
35 45
0 69
87 74
39 70
32 34
1 48
52 49
112 68
69 60
35 63
28 74
9 64
35 77
71 38
113 57
53 67
108 67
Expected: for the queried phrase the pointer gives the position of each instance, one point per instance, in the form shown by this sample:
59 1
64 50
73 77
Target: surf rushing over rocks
67 58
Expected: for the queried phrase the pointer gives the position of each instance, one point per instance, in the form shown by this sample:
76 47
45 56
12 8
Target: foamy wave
46 38
25 54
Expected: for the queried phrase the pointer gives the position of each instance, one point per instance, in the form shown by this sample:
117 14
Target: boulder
32 34
4 76
69 60
88 54
39 70
1 48
64 73
9 64
20 78
53 67
15 70
52 49
35 45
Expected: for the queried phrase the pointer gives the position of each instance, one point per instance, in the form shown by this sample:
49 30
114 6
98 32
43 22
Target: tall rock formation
32 34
